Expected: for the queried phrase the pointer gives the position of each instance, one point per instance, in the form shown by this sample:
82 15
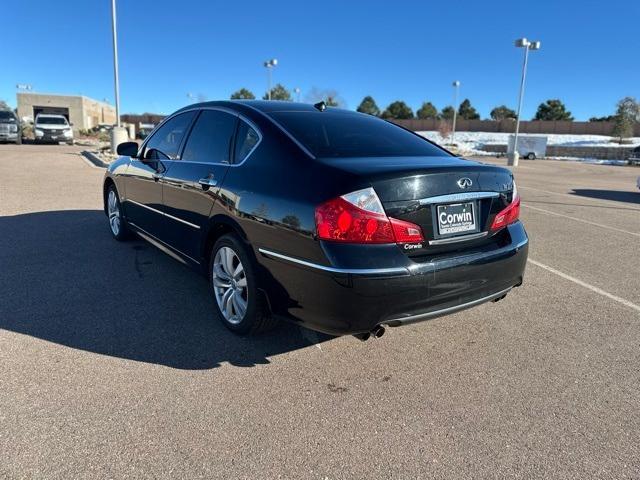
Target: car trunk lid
453 200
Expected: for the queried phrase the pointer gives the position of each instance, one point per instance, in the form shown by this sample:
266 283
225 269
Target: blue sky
409 50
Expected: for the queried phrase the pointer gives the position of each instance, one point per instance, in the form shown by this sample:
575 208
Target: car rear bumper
346 301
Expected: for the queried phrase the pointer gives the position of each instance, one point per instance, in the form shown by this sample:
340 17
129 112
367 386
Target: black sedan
336 220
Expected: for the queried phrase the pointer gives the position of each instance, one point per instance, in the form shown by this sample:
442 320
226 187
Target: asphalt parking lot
111 365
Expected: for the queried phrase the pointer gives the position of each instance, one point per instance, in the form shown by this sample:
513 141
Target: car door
143 200
192 184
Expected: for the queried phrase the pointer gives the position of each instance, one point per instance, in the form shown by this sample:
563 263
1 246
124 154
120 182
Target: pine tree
427 110
398 110
553 109
467 112
447 113
278 93
368 105
243 93
502 113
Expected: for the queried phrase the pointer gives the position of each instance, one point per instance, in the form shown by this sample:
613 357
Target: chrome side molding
345 271
197 227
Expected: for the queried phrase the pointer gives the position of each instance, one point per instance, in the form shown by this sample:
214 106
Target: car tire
239 304
117 224
531 156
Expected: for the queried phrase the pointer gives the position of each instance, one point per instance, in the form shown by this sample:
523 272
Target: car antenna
320 106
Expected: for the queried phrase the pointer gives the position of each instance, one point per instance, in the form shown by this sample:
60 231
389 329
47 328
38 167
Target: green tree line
626 116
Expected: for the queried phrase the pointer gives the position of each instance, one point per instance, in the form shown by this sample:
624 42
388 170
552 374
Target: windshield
340 134
51 121
6 116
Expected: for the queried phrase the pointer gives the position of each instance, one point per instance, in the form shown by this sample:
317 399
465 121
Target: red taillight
508 215
406 232
340 221
358 217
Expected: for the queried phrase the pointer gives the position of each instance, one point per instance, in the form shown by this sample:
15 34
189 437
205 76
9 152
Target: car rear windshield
340 134
51 121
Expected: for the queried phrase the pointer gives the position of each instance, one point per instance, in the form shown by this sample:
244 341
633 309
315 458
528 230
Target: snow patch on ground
471 142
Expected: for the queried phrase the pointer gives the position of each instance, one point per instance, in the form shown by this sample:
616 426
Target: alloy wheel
113 210
230 285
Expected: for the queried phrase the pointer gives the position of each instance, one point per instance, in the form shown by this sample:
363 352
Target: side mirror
128 149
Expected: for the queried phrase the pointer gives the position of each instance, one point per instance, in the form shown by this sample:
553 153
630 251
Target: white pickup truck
10 130
53 128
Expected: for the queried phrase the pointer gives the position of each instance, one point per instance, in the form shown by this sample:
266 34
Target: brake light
358 217
406 232
509 214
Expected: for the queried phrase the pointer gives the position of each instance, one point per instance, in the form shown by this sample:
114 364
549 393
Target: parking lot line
586 285
635 234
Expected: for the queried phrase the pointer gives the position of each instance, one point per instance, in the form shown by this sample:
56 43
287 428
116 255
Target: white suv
53 128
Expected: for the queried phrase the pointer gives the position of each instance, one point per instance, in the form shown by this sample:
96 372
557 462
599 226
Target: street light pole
297 92
269 64
514 156
115 61
456 86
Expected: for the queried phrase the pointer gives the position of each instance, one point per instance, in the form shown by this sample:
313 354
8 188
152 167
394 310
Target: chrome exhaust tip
378 331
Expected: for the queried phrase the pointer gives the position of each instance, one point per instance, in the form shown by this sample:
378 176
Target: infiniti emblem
465 182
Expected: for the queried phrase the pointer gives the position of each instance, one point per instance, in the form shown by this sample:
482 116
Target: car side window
165 143
246 140
210 138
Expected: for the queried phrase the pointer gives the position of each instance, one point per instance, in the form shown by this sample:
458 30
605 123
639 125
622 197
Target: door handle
208 182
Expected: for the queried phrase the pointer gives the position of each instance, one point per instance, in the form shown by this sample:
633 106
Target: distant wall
602 153
136 118
508 126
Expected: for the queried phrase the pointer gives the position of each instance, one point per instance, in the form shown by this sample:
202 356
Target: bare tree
329 95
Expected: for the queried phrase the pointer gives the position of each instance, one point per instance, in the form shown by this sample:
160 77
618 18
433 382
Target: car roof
267 106
54 115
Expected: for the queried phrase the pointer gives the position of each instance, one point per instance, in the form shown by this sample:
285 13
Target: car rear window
340 134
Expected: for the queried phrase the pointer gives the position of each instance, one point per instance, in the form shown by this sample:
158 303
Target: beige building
82 112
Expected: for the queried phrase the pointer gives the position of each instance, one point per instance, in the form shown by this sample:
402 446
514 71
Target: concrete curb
93 158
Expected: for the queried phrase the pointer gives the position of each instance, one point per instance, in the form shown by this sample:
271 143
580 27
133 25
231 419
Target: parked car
103 128
634 159
10 128
52 128
336 220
